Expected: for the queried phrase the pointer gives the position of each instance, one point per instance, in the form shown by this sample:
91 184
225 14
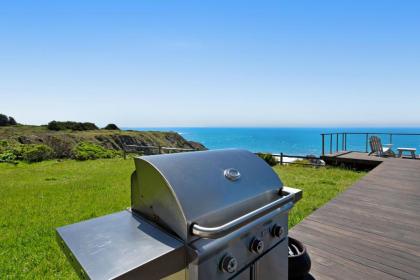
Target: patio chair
378 149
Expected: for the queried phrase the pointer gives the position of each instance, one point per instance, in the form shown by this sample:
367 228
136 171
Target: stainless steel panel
237 244
179 189
274 264
244 275
121 246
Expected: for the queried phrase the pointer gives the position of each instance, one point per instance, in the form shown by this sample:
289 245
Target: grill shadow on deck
372 230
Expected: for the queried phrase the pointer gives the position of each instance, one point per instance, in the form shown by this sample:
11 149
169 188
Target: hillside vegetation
66 143
37 198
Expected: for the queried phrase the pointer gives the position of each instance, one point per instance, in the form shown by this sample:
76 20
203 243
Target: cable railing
339 141
286 159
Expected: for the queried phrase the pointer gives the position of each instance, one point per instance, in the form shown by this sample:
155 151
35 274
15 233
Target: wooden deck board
370 231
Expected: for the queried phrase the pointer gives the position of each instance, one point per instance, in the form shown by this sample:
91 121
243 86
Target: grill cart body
218 214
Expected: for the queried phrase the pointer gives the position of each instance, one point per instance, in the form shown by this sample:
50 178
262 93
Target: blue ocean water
292 141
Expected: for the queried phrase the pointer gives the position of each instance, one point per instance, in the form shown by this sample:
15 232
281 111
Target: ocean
291 141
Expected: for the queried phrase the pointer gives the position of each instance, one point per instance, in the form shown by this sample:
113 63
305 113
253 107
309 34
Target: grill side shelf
121 245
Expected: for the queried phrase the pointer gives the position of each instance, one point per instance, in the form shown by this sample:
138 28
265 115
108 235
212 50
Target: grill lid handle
286 202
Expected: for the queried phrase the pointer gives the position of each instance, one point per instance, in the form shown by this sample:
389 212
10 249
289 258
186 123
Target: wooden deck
370 231
356 160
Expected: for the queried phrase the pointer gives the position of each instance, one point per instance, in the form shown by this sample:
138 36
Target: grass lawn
37 198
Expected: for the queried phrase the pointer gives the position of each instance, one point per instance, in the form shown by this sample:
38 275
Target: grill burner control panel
244 247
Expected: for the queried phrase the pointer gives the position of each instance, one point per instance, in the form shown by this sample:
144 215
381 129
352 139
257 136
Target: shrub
269 159
26 152
36 152
12 121
54 125
3 144
88 126
4 120
7 155
111 126
62 146
85 151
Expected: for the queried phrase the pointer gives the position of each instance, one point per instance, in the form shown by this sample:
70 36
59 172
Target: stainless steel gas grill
218 214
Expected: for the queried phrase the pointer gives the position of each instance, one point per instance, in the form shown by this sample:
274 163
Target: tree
4 120
12 121
53 125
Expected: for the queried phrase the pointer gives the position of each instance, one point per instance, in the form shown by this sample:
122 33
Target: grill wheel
299 261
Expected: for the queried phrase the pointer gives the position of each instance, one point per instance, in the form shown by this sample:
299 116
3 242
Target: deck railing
309 160
332 141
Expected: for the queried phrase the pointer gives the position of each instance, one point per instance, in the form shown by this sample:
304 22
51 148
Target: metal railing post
366 143
336 144
281 158
331 137
323 144
345 141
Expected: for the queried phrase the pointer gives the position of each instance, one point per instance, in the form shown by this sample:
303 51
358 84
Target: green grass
37 198
319 186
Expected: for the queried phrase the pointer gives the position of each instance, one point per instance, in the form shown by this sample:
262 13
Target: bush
62 146
85 151
54 125
36 152
26 152
12 121
6 153
7 156
111 126
269 159
4 120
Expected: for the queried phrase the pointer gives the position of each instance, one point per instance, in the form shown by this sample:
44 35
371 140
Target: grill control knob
257 246
229 264
277 231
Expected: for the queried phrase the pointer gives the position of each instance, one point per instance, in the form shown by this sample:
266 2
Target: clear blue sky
212 63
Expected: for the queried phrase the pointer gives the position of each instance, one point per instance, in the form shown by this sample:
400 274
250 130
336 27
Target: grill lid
210 187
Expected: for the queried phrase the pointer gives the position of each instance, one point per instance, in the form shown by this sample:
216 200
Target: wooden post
159 149
281 158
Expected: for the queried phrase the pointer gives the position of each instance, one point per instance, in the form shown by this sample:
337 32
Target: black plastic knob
229 264
257 246
277 231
